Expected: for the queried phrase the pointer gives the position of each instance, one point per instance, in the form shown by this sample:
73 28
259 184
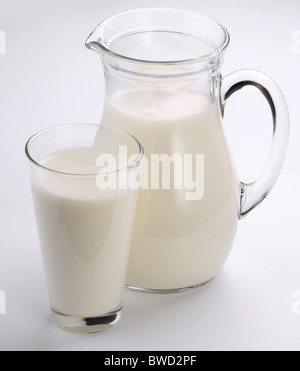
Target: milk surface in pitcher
178 243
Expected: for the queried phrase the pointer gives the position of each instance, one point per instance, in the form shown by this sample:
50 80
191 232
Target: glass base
91 325
168 291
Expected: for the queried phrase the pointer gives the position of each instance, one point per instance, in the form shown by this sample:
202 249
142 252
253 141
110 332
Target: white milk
178 243
85 236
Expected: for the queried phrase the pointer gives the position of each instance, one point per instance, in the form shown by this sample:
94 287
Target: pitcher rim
202 58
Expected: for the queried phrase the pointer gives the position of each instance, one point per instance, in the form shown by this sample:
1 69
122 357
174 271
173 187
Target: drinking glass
84 183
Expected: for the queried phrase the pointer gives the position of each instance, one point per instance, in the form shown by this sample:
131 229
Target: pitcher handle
253 194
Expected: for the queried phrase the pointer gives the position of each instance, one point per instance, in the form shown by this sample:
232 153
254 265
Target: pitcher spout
94 42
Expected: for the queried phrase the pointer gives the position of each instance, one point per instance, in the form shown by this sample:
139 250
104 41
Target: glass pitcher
164 85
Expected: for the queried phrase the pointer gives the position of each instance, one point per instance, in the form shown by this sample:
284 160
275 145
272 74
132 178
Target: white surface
47 78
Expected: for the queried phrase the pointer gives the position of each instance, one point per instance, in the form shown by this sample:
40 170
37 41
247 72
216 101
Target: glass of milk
85 194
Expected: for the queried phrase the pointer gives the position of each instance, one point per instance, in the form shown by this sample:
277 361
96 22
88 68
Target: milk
85 235
178 243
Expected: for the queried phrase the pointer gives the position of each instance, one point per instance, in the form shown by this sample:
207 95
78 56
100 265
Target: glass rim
131 165
202 58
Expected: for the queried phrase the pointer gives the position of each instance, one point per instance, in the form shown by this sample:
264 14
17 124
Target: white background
48 77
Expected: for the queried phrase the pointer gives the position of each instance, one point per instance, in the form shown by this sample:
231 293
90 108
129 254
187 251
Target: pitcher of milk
164 86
